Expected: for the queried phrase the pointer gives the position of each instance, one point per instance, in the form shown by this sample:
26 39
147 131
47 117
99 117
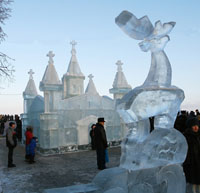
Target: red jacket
29 136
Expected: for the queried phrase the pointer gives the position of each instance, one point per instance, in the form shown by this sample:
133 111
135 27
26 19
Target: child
29 136
32 147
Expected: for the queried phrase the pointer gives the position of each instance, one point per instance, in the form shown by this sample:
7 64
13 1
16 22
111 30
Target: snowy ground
49 171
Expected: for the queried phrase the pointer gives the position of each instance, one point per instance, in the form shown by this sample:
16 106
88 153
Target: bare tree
6 68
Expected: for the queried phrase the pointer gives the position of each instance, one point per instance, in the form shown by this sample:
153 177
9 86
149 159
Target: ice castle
63 117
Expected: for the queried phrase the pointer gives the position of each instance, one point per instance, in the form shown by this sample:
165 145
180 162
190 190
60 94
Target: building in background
62 119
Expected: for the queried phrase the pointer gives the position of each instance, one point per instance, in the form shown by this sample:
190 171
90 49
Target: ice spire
91 89
120 84
120 79
73 68
30 88
50 75
31 74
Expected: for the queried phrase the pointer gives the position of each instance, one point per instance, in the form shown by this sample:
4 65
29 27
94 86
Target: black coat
100 137
92 139
191 166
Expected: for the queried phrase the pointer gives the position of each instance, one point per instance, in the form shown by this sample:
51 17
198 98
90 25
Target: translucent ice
155 98
154 39
150 162
135 28
115 190
172 177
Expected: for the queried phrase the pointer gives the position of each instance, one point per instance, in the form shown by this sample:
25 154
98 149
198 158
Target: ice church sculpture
63 117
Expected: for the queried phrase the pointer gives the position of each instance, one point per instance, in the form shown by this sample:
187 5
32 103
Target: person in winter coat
100 143
191 166
29 136
32 147
11 142
92 136
180 123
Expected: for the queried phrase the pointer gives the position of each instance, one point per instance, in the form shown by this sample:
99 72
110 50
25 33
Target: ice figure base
159 148
164 179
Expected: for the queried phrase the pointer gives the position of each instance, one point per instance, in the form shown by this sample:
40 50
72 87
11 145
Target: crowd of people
11 142
183 116
11 128
4 124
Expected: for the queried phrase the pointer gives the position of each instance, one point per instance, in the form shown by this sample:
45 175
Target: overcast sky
36 27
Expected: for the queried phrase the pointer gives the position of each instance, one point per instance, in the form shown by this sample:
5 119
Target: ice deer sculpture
156 97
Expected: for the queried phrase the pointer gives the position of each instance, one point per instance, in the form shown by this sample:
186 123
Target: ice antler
142 29
138 29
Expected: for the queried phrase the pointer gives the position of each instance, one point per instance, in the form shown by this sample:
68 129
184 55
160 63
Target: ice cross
31 74
50 55
90 76
73 43
119 65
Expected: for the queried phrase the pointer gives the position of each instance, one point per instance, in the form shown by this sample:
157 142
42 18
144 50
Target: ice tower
29 95
120 84
73 80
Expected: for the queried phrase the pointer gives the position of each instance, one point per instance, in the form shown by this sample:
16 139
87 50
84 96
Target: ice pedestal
149 180
120 180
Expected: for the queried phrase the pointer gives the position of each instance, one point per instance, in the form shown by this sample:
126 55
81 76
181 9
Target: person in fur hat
191 166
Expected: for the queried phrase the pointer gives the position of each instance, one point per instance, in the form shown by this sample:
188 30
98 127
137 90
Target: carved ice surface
162 147
142 103
154 39
173 178
150 162
135 28
155 98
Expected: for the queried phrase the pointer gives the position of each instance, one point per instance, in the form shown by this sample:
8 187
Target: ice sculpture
150 162
155 98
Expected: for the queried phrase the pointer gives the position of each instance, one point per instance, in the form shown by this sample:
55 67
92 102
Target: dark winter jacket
100 137
180 123
191 165
32 146
92 139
